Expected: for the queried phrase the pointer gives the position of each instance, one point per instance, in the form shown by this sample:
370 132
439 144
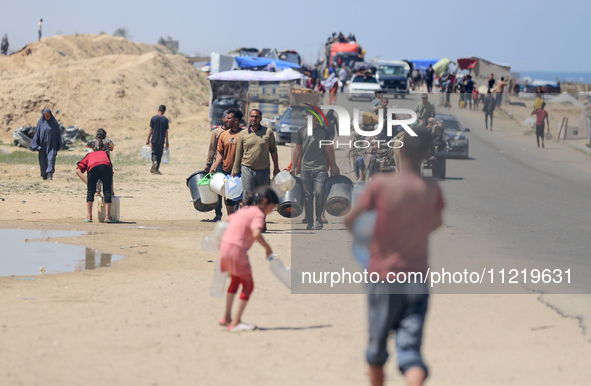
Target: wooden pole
565 128
561 126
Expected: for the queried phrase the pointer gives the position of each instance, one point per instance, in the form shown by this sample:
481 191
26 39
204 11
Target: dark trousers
218 209
540 133
313 181
468 99
103 173
429 86
157 150
486 115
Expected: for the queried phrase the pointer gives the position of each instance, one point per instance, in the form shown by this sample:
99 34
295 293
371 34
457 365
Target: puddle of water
24 258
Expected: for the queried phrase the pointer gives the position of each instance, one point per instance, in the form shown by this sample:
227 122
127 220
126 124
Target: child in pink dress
245 228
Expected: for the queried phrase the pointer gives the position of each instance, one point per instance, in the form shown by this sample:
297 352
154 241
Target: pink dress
238 239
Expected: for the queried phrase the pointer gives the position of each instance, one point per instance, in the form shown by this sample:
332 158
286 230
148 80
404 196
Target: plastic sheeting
441 66
245 75
253 62
423 64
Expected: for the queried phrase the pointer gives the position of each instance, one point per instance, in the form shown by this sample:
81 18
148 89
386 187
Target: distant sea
573 77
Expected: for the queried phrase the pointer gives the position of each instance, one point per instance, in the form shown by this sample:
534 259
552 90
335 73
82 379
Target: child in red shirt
408 208
245 228
99 167
541 115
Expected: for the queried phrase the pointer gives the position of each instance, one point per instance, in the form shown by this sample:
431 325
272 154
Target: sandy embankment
149 318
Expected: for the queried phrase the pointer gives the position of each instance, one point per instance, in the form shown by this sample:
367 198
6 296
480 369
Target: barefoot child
245 227
98 164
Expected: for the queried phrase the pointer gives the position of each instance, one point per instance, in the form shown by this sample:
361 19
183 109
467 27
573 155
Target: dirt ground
149 319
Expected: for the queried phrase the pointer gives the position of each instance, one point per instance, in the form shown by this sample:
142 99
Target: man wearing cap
425 109
314 163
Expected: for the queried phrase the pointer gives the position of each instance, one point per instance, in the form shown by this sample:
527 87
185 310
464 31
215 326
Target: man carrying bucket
211 155
226 150
314 159
253 147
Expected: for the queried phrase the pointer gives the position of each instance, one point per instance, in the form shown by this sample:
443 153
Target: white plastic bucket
207 196
217 184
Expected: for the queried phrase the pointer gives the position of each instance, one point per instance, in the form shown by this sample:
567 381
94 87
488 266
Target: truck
344 53
392 75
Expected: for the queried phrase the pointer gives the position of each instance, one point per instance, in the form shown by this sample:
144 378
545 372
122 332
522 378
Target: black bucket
338 195
195 196
291 204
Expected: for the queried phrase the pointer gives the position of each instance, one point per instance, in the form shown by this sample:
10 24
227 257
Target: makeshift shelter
267 91
482 68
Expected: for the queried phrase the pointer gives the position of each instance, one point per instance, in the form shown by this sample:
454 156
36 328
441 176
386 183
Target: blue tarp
423 64
251 62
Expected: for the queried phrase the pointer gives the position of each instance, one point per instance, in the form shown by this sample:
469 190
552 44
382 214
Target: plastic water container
207 196
285 181
210 243
220 228
233 187
280 271
102 209
166 156
218 285
146 152
363 230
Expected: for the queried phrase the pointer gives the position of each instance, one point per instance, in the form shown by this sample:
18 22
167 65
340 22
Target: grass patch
26 157
529 132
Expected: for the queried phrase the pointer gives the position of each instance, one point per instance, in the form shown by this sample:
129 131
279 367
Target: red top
406 205
94 159
540 115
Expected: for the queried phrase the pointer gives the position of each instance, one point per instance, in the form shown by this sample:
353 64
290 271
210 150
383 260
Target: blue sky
539 36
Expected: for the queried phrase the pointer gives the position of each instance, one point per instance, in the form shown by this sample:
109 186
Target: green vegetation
27 157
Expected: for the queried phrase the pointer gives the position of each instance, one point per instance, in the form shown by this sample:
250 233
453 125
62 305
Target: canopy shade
245 75
252 62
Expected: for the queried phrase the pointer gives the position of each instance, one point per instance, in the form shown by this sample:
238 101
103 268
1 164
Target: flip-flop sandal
110 221
242 327
223 322
87 220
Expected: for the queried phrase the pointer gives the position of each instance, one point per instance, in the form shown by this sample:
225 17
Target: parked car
363 87
289 123
458 141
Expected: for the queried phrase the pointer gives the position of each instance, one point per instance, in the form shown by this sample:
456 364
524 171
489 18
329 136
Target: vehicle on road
393 77
458 142
363 87
344 53
292 119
